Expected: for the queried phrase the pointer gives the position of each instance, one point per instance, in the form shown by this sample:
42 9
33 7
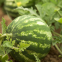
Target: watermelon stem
56 44
58 49
6 34
57 34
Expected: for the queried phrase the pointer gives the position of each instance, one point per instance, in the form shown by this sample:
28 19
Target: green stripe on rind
21 18
27 31
11 11
9 0
34 31
10 5
17 22
13 15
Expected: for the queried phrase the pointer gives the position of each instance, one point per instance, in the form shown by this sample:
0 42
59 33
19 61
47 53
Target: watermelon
32 30
9 7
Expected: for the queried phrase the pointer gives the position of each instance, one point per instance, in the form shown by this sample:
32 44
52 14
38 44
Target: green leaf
57 9
0 57
9 61
7 50
46 9
28 11
57 39
60 3
1 39
60 56
7 44
61 32
2 52
13 42
23 46
4 58
44 1
57 25
54 1
16 49
52 28
3 26
58 19
22 11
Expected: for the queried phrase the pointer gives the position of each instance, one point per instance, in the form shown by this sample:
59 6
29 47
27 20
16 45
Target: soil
52 55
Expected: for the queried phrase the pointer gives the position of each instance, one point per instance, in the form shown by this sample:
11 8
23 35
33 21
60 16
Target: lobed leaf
58 19
3 26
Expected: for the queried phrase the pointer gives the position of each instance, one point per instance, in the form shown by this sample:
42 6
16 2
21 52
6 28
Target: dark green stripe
20 21
12 7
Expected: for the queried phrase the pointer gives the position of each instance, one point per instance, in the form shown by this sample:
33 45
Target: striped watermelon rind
9 7
32 30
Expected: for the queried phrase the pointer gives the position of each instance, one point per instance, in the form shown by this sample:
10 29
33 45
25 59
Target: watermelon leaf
23 46
0 57
30 11
58 19
4 58
45 9
0 39
13 42
7 44
16 49
10 61
2 51
3 26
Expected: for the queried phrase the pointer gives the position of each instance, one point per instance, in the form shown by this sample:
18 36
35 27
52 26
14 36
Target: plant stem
56 44
6 35
58 49
59 13
57 34
0 41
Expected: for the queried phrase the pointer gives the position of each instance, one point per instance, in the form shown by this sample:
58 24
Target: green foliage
48 10
59 19
23 46
9 43
27 11
51 12
1 1
6 45
3 26
28 32
4 58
